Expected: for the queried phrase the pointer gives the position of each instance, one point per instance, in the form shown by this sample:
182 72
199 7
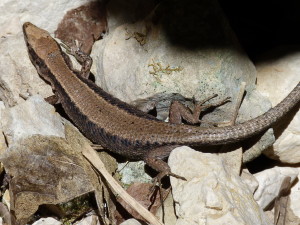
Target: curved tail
230 134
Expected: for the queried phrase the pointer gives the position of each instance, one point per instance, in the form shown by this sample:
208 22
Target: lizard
120 127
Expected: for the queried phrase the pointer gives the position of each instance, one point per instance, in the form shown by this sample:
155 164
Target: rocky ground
143 53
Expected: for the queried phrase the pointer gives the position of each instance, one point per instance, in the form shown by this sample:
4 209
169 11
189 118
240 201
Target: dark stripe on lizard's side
115 101
89 128
129 128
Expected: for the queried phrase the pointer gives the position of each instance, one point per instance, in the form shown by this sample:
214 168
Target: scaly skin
120 127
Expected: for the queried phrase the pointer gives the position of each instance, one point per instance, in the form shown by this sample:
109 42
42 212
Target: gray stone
131 222
19 78
212 194
128 68
130 11
295 199
250 180
132 172
34 116
14 13
47 221
139 60
270 181
92 219
276 78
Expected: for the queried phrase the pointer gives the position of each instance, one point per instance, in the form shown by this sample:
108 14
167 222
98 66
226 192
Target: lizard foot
179 111
161 175
84 59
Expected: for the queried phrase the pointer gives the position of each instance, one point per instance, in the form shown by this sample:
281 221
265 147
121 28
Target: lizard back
120 127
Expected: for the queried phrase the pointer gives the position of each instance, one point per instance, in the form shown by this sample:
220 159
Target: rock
166 213
283 74
295 198
129 69
34 116
18 75
131 222
250 180
47 221
2 140
13 14
212 194
139 60
3 145
270 181
93 219
258 145
58 172
84 24
2 106
120 12
132 172
6 199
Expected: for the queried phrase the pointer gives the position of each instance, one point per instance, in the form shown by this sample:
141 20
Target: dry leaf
84 24
141 192
52 170
45 170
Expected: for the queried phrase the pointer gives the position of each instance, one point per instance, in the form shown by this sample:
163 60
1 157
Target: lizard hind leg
154 159
179 111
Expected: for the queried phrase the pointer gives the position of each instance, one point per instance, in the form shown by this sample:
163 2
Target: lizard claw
73 49
162 174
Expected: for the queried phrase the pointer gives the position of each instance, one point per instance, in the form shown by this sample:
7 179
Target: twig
91 155
238 102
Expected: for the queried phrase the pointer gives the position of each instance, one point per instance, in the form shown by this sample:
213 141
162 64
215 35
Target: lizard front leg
84 59
178 111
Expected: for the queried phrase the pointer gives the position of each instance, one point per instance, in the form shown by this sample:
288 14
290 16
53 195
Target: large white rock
295 198
92 219
43 13
35 116
131 222
47 221
143 58
270 181
250 180
2 140
275 79
18 75
212 194
2 106
130 66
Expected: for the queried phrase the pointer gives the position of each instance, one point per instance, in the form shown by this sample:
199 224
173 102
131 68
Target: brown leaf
142 193
102 192
84 24
45 170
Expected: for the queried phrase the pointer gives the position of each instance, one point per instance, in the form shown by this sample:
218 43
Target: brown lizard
120 127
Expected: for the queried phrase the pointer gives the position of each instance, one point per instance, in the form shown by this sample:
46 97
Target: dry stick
91 155
235 165
238 102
